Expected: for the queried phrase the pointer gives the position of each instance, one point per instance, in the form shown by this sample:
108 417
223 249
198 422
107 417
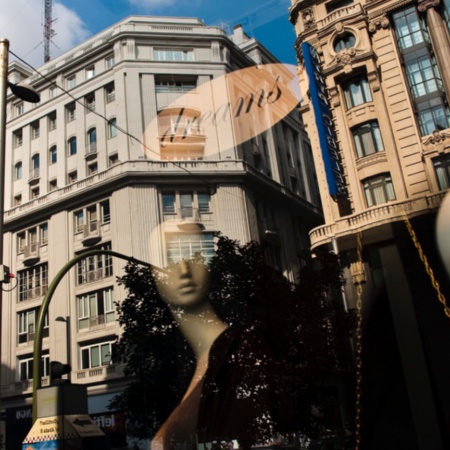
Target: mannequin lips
187 287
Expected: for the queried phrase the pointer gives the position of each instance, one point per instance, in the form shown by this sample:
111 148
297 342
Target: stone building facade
375 82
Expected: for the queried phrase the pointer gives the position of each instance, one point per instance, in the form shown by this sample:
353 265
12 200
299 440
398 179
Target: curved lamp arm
37 349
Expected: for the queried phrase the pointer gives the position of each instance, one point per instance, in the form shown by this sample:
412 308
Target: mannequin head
186 285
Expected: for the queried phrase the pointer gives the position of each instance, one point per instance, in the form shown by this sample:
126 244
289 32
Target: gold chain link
428 269
358 349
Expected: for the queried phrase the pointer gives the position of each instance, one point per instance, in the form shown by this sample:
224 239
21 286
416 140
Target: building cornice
157 173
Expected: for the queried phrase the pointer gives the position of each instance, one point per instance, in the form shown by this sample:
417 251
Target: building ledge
373 218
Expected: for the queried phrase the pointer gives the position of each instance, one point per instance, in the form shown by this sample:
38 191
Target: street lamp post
66 321
27 94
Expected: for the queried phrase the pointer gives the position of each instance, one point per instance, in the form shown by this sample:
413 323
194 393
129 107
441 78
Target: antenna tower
48 30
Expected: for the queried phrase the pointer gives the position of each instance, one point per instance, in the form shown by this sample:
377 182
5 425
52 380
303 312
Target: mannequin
185 293
228 397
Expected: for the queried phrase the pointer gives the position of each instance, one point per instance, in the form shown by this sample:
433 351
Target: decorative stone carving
339 28
344 58
427 4
308 18
374 81
378 23
436 137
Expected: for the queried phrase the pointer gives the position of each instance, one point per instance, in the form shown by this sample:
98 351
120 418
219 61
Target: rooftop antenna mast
49 32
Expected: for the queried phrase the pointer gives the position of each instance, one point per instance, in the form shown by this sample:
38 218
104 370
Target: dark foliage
304 323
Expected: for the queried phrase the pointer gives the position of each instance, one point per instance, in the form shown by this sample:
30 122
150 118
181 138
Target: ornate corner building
375 81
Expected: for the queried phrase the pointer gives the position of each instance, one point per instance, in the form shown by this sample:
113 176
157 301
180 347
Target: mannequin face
186 285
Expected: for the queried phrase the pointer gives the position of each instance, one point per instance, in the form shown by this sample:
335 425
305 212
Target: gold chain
428 269
358 349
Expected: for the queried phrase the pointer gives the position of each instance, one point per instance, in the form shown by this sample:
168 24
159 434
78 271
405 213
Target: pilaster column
439 37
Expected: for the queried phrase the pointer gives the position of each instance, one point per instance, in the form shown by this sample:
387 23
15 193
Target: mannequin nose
184 267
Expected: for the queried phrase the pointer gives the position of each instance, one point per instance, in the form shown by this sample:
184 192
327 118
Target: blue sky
77 20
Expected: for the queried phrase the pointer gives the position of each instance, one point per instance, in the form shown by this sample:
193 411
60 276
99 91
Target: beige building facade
107 161
375 82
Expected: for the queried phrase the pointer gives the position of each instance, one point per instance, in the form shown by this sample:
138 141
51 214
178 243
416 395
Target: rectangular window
71 112
29 240
26 324
92 168
110 92
88 216
25 367
71 81
33 282
79 221
442 168
185 246
378 190
357 92
52 121
105 211
94 268
185 204
173 55
109 61
422 73
95 308
52 185
172 85
72 177
34 192
19 109
203 203
89 102
43 234
367 138
17 138
186 208
90 72
53 92
96 354
409 28
433 115
168 201
113 159
35 130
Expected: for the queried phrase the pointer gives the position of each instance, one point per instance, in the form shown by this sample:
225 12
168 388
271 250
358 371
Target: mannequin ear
443 232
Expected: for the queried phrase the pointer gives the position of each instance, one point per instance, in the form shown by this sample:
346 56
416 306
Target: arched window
18 170
72 146
347 40
53 157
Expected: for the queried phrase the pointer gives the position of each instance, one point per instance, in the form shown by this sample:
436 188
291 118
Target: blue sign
325 127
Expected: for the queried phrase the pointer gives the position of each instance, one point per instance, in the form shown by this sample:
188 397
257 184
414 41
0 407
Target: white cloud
21 22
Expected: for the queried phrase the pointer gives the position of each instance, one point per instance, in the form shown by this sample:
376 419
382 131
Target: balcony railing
94 275
91 148
374 217
30 294
108 371
339 14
